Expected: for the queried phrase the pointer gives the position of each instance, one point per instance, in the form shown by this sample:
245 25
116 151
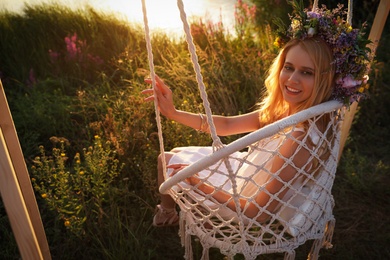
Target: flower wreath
349 46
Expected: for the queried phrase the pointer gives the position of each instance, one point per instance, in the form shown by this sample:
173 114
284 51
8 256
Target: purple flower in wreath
313 15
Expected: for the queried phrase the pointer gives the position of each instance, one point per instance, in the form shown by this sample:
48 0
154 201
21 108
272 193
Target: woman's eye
288 68
308 73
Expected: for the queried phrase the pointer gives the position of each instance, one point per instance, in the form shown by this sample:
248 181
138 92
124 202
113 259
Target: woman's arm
224 125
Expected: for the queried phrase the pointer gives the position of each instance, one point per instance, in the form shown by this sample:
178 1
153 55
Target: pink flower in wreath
349 82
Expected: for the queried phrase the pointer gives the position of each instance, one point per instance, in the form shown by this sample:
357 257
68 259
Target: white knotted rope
194 57
315 5
217 144
350 11
153 76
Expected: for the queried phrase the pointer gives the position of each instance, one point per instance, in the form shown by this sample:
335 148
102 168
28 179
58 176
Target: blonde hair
273 107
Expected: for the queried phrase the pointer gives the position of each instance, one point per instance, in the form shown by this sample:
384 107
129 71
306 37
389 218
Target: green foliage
44 30
77 192
361 193
356 168
42 112
267 11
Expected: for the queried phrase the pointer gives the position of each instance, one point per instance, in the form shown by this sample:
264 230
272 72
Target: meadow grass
73 81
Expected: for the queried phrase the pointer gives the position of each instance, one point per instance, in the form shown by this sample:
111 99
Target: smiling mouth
293 90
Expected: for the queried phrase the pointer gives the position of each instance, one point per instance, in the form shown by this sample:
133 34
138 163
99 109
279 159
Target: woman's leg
166 214
166 201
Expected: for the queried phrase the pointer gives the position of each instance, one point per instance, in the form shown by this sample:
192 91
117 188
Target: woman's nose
294 77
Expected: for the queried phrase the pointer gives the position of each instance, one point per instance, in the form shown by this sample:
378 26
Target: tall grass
73 80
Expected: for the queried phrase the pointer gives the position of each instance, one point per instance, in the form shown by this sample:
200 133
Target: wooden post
375 34
17 192
16 207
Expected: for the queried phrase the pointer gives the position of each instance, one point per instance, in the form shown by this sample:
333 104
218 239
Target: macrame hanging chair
302 213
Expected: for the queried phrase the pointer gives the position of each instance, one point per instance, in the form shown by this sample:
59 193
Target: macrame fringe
182 228
329 234
290 255
325 241
315 249
230 257
205 253
185 237
188 247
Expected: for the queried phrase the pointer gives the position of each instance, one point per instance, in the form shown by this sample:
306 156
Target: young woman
302 75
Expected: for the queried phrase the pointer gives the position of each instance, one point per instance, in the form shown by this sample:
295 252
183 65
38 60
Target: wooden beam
375 35
24 194
16 207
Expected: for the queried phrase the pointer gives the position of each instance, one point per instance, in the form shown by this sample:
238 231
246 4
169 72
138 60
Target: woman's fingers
161 85
176 168
148 92
161 90
176 165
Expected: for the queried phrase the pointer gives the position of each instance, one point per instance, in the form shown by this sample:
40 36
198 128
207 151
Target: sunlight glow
162 14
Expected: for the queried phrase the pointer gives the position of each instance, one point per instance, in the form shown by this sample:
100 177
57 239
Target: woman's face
296 79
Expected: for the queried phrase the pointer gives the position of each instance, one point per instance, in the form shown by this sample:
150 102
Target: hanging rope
315 5
350 10
217 144
194 57
153 76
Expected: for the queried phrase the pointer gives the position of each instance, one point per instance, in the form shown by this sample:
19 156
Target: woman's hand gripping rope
163 94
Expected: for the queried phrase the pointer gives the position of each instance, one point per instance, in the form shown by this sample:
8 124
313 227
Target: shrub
78 192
